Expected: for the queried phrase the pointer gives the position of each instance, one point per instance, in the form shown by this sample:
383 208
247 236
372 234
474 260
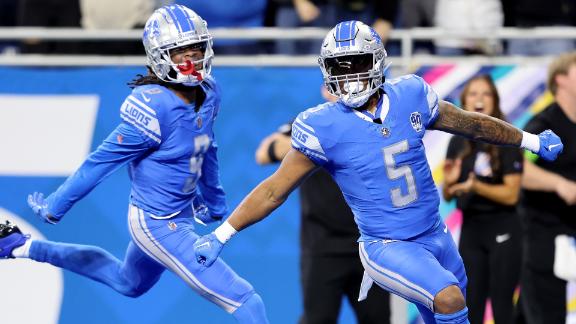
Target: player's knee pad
251 311
460 317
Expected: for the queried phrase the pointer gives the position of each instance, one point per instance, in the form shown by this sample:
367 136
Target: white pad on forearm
225 232
530 142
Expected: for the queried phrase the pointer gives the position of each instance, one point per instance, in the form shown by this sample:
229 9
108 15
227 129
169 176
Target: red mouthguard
187 68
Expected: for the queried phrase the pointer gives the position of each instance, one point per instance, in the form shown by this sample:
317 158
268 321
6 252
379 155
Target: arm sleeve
305 139
209 183
123 145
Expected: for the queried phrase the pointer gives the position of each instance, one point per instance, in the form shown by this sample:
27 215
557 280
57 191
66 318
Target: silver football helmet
171 27
352 62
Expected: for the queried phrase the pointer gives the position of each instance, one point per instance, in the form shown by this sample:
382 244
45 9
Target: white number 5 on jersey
394 172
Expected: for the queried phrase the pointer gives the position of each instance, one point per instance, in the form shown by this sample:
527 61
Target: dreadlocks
195 93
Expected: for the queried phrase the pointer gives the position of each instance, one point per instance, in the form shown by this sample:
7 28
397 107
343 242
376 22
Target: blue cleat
10 238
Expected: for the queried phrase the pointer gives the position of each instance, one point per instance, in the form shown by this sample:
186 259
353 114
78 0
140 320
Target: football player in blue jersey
370 141
167 139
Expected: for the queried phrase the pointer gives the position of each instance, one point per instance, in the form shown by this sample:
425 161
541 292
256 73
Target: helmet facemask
190 72
352 62
163 35
353 78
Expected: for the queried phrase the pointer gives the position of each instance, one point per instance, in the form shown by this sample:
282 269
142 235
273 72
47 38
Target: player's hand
203 217
207 249
39 205
550 145
201 213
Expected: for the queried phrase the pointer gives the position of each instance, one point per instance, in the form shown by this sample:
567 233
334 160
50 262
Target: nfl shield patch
172 226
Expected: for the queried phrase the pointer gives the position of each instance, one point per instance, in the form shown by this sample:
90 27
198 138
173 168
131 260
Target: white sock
23 251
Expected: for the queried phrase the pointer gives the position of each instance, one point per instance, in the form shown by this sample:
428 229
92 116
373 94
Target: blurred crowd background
384 15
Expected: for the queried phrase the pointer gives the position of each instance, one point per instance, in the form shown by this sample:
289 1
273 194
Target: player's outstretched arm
259 203
123 145
484 128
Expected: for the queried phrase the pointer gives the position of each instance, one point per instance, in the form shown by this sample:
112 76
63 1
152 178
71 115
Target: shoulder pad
150 94
316 114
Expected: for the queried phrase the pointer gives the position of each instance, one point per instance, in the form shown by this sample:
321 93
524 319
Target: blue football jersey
170 148
381 169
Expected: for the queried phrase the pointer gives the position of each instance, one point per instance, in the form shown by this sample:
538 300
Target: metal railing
406 38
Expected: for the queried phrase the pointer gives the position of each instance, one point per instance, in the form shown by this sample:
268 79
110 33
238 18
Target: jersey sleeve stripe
300 123
142 105
138 117
308 151
432 98
133 122
306 138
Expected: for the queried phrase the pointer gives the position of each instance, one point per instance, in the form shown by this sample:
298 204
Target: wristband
530 142
271 154
225 232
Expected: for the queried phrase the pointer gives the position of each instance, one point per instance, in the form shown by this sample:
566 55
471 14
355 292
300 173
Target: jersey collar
381 110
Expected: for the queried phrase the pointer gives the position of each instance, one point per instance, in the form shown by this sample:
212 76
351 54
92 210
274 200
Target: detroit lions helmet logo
416 121
375 36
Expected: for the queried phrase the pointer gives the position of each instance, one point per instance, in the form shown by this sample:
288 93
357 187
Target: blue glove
39 205
201 213
207 249
550 145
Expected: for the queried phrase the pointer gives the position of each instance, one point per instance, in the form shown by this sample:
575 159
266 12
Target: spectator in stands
231 14
327 13
535 13
8 14
548 202
418 13
463 16
49 13
118 15
485 180
302 13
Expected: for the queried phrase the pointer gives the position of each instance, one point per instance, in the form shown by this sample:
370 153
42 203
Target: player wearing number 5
370 141
166 137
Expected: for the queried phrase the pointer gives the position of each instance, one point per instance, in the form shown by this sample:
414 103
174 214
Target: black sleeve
512 160
455 147
536 125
